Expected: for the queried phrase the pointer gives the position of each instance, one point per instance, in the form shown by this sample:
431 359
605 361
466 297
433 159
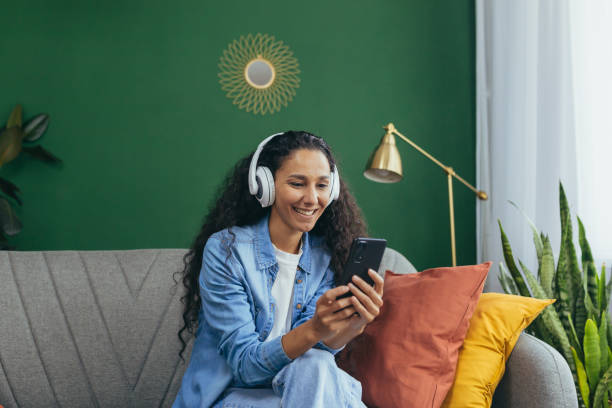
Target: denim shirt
237 311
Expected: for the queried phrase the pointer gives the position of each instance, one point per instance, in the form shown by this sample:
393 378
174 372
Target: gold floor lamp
385 166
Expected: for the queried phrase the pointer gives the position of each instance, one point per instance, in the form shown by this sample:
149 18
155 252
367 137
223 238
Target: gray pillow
395 262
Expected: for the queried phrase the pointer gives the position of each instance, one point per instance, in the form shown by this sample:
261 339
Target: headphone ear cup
265 186
335 187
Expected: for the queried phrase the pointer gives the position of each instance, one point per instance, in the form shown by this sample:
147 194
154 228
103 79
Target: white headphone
261 180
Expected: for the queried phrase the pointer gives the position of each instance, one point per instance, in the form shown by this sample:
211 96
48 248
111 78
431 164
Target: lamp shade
385 164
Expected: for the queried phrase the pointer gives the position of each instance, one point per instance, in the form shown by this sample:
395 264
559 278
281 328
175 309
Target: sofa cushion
408 355
494 329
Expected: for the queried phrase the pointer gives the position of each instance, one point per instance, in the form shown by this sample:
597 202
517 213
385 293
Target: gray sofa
98 329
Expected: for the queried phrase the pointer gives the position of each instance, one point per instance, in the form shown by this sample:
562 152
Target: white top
282 291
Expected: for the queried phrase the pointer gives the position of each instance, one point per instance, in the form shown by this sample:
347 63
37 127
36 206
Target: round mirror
259 73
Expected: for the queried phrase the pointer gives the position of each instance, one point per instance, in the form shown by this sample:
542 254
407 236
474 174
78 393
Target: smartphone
365 253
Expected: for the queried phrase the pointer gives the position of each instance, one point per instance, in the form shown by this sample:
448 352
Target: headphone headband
261 179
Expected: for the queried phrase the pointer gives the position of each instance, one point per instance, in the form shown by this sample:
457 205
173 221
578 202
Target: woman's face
302 186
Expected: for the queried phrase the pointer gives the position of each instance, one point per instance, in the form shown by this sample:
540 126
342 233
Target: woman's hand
332 314
367 300
366 303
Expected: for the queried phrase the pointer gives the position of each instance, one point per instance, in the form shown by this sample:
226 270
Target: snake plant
578 325
14 139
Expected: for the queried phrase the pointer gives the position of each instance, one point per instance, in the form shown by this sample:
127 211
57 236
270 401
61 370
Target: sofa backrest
95 328
89 328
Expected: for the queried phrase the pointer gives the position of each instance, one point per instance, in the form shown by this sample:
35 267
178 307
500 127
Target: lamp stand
390 131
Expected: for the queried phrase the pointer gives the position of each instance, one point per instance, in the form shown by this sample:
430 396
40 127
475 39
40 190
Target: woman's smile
305 212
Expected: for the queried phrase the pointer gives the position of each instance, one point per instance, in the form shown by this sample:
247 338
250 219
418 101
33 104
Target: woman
259 282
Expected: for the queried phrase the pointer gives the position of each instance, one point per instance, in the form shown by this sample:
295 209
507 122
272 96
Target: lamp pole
383 167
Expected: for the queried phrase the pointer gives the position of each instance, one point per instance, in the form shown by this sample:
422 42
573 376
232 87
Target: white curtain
535 124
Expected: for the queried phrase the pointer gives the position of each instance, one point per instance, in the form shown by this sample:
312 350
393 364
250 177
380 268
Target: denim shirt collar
264 251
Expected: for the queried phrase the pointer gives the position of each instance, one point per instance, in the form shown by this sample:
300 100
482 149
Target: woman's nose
311 195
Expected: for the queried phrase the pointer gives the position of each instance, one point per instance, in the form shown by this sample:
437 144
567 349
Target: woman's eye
294 184
322 185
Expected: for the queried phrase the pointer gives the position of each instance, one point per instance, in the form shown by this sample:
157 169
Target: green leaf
575 276
592 352
537 240
502 280
581 311
547 271
582 379
8 218
538 292
509 258
10 189
588 266
603 343
541 330
601 291
506 280
15 118
602 387
34 129
40 153
10 144
609 332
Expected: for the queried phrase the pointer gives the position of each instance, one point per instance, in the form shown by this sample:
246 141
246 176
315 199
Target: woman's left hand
366 299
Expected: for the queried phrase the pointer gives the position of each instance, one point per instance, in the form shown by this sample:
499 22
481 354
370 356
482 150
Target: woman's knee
313 361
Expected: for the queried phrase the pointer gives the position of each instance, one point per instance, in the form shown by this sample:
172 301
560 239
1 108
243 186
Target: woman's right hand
331 313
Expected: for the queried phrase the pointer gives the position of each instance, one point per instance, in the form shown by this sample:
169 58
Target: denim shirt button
298 281
299 306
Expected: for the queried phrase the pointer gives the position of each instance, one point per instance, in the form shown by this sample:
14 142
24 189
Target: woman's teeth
304 212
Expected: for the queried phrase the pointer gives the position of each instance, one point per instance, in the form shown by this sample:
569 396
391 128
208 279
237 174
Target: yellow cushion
494 329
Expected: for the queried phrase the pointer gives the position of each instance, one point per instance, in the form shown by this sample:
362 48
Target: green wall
146 133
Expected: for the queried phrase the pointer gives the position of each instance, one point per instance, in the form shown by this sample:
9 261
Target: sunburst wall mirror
259 73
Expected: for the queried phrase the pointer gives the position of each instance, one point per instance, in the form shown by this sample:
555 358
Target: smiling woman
260 280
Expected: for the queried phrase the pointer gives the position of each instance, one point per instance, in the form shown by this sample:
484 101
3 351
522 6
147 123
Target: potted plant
14 139
578 325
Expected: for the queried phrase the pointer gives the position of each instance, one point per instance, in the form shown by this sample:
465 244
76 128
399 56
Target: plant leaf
34 129
547 270
10 144
15 118
10 189
582 379
609 332
601 291
40 153
504 275
602 387
537 240
592 352
553 323
509 258
581 312
8 218
572 263
603 343
502 280
588 266
538 292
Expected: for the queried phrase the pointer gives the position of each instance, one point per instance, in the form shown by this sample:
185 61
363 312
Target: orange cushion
407 357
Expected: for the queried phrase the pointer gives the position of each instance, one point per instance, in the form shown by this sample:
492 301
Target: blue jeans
312 380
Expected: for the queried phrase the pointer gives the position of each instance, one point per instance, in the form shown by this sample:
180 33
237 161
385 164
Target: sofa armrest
536 376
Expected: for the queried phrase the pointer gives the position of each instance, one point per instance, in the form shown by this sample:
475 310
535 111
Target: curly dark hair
233 205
